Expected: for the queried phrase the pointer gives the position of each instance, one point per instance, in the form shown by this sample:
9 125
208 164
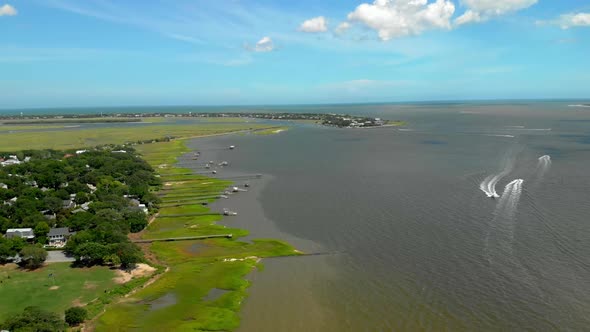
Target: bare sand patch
141 270
77 303
90 285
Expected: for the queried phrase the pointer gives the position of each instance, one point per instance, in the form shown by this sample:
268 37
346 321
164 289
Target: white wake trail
488 185
543 167
544 164
499 242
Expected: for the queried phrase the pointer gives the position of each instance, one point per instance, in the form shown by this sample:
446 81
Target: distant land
326 119
287 108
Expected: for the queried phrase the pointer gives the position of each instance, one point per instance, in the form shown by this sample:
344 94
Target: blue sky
56 53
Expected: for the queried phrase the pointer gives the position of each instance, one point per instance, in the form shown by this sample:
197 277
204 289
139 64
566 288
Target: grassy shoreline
196 269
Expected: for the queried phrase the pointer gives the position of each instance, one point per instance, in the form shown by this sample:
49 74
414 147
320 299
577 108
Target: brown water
418 244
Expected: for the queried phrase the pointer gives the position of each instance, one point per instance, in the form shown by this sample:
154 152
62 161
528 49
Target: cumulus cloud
8 10
316 24
567 21
263 45
399 18
482 10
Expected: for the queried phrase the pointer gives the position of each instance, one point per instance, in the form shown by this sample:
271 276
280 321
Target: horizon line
436 101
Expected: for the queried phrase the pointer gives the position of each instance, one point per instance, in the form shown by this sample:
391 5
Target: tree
137 220
91 253
17 244
128 253
54 204
32 257
81 198
5 250
41 229
34 319
112 259
75 316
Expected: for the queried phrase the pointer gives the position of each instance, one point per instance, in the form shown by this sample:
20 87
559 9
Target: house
11 201
91 187
143 208
25 233
48 215
59 236
3 186
12 160
85 206
68 204
81 151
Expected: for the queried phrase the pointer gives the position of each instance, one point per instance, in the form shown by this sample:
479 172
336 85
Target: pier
185 238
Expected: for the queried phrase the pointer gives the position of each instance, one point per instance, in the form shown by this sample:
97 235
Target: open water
472 217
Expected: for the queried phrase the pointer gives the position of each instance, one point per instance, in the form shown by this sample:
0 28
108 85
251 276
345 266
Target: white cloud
571 20
8 10
316 24
264 45
399 18
342 28
482 10
468 17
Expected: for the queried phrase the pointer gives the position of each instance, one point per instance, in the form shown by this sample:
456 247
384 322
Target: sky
72 53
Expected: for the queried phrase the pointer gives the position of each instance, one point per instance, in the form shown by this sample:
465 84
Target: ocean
409 231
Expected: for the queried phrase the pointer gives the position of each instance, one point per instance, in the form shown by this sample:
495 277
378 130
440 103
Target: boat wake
506 208
499 135
499 239
499 242
543 165
488 185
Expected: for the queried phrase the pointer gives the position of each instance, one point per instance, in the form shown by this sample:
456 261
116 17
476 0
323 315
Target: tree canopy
94 193
34 319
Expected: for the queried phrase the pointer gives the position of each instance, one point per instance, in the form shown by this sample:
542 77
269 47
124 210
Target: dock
184 238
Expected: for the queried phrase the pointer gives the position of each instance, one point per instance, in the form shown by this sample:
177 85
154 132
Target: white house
25 233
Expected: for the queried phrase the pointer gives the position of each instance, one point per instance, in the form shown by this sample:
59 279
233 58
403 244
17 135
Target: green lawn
88 137
68 287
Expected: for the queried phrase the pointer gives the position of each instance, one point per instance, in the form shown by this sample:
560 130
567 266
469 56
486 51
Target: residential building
59 236
25 233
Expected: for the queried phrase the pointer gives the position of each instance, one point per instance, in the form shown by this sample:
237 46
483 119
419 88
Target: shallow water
420 245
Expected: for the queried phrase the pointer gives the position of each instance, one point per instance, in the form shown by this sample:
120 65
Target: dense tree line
35 319
94 193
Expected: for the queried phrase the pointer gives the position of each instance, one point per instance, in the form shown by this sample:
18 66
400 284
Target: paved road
58 257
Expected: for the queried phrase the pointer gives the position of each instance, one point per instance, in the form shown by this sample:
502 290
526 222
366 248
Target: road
56 256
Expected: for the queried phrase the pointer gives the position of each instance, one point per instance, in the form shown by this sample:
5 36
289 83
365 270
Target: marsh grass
217 264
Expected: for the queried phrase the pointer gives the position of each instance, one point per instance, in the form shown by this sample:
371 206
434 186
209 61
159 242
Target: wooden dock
184 238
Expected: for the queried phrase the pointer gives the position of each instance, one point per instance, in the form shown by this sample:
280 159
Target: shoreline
218 260
277 279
